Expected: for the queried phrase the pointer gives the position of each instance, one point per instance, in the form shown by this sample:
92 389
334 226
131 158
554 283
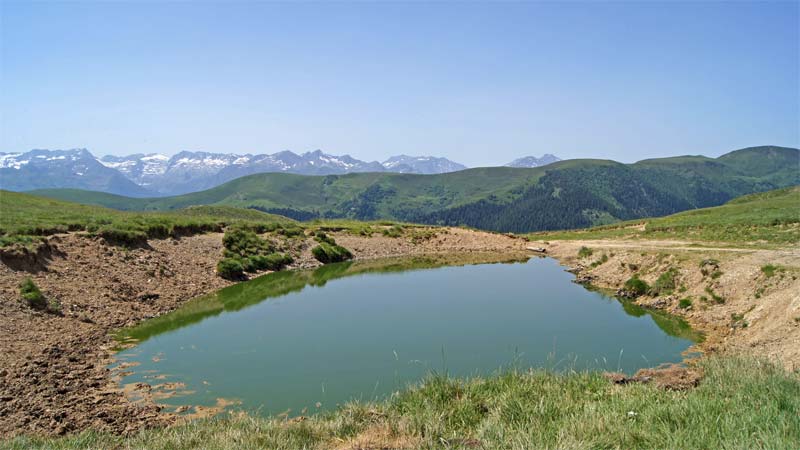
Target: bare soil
753 313
53 368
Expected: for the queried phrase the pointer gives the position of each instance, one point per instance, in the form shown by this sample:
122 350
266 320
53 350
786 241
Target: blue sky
480 83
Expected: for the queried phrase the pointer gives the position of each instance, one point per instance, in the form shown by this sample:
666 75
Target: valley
739 293
563 195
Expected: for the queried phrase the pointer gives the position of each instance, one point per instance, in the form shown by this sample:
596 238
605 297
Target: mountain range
566 194
152 174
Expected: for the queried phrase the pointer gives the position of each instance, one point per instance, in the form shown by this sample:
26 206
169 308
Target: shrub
770 270
636 286
685 303
585 252
714 296
603 259
329 253
273 261
665 283
290 231
394 232
323 238
32 295
245 243
230 268
54 306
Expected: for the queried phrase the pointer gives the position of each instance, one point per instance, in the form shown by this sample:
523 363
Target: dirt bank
53 376
724 292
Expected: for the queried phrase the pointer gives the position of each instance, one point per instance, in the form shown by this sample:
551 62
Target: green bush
665 283
603 259
636 286
685 303
717 299
330 253
323 238
230 268
585 252
243 243
273 261
32 295
770 270
290 231
394 232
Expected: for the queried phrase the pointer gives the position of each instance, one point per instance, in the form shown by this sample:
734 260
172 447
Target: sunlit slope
565 195
26 216
771 217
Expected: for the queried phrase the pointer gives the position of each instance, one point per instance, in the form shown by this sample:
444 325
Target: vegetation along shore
731 271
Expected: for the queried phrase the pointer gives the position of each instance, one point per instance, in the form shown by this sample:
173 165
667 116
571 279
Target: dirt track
53 376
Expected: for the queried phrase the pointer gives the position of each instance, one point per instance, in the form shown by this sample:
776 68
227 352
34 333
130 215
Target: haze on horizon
478 83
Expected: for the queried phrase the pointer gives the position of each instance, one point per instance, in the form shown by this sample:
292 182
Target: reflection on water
363 330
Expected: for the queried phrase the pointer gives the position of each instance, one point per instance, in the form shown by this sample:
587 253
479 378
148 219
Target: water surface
314 339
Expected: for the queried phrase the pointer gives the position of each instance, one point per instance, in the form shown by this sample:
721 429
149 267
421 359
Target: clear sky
480 83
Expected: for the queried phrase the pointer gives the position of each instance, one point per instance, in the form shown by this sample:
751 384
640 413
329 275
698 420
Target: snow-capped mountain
532 161
142 169
145 174
193 171
75 168
421 164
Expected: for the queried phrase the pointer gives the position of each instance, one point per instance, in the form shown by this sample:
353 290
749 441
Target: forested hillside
566 194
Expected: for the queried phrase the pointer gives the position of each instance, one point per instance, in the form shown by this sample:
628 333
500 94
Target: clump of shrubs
685 303
328 251
245 251
230 268
35 299
395 231
636 287
585 252
665 283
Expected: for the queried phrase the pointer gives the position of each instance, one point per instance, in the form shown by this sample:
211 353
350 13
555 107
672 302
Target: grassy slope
25 217
741 403
567 194
771 217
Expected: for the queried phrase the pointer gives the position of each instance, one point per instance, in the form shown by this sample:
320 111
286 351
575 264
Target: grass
32 294
25 219
636 286
741 403
768 218
246 251
770 270
665 284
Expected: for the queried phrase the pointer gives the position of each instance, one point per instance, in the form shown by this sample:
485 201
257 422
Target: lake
304 341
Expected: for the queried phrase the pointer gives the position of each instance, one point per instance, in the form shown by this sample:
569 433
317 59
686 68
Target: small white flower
631 413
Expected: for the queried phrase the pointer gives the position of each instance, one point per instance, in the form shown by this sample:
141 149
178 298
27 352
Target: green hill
565 195
25 217
771 217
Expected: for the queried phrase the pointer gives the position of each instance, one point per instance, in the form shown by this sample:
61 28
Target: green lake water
311 340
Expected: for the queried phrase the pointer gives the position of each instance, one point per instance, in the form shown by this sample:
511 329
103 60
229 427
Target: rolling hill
563 195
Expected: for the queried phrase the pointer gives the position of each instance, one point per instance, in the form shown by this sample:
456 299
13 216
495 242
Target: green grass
767 218
740 403
26 218
563 195
636 286
31 294
770 270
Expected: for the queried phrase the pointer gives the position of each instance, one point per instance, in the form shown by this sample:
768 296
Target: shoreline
60 384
